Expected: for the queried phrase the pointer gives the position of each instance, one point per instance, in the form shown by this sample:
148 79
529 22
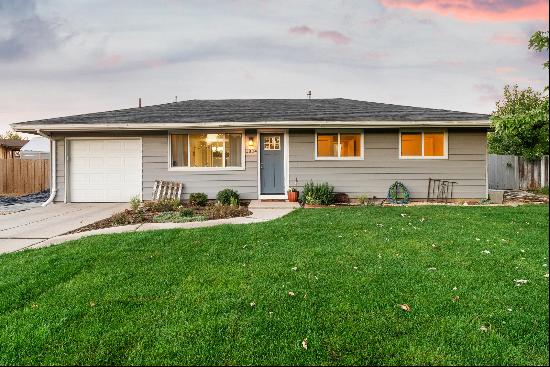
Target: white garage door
104 170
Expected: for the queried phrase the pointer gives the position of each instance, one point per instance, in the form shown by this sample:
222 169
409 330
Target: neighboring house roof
248 111
12 144
38 144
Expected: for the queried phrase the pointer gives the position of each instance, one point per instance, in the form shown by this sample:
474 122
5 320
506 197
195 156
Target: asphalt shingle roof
250 110
12 144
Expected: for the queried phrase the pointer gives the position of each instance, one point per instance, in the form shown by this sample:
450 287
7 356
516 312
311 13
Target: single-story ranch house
261 147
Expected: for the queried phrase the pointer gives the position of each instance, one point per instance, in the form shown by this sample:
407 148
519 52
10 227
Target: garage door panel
104 170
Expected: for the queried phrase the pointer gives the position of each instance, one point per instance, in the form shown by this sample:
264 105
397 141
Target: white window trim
422 131
208 169
339 132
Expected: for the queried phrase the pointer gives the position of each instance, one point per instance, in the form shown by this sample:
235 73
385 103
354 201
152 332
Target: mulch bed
147 213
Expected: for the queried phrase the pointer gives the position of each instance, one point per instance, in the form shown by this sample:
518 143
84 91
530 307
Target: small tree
10 134
520 124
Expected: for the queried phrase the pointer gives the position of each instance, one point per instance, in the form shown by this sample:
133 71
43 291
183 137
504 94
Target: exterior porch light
251 145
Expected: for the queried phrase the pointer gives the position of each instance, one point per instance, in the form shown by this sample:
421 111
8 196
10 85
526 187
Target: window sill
205 169
339 159
424 158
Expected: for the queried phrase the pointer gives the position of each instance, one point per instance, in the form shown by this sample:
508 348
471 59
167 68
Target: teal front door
272 164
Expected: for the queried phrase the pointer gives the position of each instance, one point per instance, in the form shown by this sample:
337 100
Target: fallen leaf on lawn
304 343
405 307
546 275
520 282
456 298
484 328
92 304
291 294
34 306
252 304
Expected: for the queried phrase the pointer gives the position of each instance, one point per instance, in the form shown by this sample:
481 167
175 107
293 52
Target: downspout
53 178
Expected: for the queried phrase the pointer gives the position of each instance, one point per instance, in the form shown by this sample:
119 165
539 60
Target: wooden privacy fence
508 172
24 176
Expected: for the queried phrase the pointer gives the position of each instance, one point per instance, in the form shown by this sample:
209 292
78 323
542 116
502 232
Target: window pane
411 144
206 150
327 145
350 145
179 150
233 150
434 144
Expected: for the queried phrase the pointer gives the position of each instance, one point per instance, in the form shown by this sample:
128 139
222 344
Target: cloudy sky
63 57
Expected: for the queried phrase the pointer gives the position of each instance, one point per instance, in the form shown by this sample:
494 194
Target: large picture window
423 144
204 150
339 145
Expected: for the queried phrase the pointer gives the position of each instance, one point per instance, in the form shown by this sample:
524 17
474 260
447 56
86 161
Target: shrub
317 194
186 212
198 199
164 205
362 199
228 197
135 202
219 211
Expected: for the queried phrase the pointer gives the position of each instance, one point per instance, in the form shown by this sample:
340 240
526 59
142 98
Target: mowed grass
184 296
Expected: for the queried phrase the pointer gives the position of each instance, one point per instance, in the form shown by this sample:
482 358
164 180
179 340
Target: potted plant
293 195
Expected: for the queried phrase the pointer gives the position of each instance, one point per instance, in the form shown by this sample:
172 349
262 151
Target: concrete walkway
258 215
26 228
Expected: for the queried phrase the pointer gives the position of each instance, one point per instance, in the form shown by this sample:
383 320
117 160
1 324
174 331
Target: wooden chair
167 190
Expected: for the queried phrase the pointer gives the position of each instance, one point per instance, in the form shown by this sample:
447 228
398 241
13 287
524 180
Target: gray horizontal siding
371 176
60 169
382 166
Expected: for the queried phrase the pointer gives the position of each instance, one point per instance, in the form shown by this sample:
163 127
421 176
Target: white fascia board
28 128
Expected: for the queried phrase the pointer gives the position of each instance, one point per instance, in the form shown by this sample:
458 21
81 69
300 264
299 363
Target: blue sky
63 57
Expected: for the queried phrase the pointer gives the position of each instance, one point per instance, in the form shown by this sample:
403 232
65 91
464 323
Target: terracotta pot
293 196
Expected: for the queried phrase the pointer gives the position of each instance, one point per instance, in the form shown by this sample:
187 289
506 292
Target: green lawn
184 296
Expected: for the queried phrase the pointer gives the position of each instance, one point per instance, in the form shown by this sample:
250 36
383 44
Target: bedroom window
338 145
206 150
423 144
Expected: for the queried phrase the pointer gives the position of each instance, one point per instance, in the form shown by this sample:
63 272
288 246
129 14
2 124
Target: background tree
520 124
11 135
520 121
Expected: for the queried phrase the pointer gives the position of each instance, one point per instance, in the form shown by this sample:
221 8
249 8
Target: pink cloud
504 69
476 10
334 36
110 61
508 39
304 29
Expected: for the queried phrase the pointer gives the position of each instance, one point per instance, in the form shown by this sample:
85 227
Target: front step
272 204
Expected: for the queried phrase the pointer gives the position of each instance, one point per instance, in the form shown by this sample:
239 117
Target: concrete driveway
26 228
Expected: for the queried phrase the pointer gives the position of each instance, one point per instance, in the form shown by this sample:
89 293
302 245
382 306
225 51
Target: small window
421 144
272 143
339 145
206 150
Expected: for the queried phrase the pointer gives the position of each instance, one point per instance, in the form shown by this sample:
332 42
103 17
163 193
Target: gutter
53 159
74 127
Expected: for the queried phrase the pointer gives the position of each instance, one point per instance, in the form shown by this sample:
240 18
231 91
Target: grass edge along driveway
475 279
